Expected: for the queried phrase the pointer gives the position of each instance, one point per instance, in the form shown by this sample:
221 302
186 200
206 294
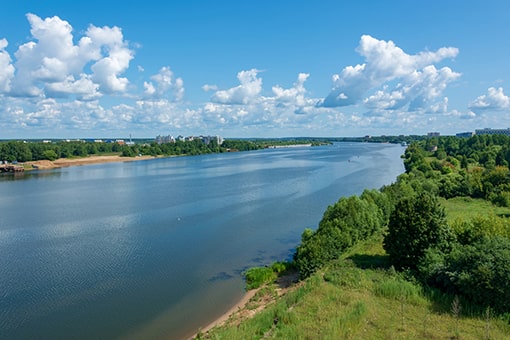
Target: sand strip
225 316
65 162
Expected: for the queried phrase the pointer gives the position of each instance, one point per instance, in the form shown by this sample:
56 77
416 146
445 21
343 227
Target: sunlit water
156 248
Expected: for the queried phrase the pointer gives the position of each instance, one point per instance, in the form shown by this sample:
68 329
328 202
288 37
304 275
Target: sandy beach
239 312
237 308
65 162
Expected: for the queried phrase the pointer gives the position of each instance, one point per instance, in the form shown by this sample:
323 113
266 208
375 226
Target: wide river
157 248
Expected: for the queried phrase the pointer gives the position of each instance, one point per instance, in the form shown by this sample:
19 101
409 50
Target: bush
257 276
479 272
345 223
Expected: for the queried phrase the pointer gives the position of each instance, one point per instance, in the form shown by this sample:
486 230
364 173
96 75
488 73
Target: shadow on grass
364 261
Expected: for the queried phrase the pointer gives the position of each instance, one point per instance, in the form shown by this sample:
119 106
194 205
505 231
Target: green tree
50 155
417 223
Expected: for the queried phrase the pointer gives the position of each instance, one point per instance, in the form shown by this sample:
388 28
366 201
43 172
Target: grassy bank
359 296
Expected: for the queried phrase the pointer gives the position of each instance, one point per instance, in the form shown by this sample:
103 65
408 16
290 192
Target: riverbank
253 302
237 309
66 162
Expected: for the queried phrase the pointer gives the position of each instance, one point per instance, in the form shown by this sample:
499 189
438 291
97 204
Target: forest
468 256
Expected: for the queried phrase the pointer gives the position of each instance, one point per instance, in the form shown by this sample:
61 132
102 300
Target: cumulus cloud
419 83
285 108
245 93
83 87
162 83
294 95
6 68
52 64
495 99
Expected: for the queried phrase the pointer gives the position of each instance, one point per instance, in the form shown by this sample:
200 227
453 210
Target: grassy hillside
359 296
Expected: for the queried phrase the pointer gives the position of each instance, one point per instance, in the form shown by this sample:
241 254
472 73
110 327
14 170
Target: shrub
344 224
481 273
257 276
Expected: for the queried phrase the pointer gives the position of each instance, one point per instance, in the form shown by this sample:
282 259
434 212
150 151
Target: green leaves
345 223
417 223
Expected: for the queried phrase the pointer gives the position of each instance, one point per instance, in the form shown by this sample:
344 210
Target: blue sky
71 69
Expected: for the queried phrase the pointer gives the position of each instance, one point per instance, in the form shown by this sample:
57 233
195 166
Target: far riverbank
66 162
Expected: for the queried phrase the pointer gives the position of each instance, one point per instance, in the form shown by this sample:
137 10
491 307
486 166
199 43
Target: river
157 248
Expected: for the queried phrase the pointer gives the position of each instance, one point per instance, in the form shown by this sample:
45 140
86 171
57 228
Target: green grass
466 208
361 297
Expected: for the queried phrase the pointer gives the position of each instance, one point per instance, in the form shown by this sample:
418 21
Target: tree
417 223
49 155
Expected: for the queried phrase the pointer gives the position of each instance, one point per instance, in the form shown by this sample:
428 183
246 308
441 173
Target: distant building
433 134
465 134
205 139
488 131
165 139
208 139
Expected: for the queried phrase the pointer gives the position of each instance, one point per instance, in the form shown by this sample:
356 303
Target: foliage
480 272
258 276
417 223
475 167
49 155
345 223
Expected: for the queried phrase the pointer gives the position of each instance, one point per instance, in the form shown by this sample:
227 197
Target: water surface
156 248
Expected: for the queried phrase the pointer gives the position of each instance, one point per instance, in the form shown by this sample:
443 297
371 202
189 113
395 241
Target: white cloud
208 87
107 69
83 87
462 115
52 64
6 68
245 93
419 91
420 83
294 95
287 107
495 99
162 83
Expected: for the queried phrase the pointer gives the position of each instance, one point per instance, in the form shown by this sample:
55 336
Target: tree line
468 258
33 151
